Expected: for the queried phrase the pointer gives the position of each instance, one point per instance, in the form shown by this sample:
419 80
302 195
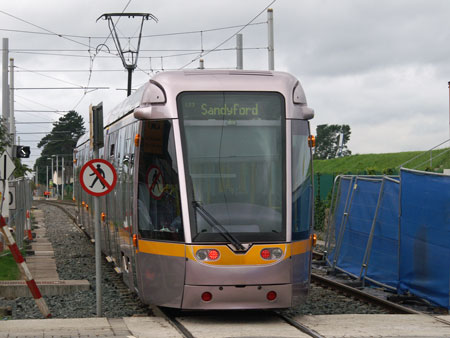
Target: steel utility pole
129 57
271 48
5 86
239 52
12 126
5 114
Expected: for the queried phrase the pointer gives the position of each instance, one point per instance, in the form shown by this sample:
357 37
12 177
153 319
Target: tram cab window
234 146
301 180
159 210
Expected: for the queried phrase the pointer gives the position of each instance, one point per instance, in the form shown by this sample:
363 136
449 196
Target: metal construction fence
20 199
390 230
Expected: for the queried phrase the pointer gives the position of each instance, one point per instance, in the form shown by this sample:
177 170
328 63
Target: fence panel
424 236
361 210
341 196
382 260
23 203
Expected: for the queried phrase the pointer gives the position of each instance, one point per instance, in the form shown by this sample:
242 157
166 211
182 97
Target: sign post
97 177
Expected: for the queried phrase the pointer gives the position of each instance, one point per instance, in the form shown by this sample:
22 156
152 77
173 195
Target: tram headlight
271 253
207 255
277 253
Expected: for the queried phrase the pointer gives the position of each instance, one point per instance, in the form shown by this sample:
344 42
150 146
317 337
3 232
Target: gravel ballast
75 260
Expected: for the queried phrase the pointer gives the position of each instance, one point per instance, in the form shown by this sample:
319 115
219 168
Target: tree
327 141
60 141
21 169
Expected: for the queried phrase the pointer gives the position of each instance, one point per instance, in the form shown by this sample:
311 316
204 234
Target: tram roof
172 83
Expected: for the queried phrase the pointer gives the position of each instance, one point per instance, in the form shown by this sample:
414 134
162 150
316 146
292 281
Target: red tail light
271 295
213 254
265 253
206 296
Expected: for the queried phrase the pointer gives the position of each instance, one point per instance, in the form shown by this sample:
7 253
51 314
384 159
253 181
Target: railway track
361 295
187 323
60 205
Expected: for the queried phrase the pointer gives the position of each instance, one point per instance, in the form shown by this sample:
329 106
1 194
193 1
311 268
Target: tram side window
301 181
159 208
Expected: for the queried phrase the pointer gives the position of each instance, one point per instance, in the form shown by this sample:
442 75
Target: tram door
161 254
128 163
302 204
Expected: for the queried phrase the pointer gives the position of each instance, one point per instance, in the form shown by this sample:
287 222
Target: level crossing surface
229 326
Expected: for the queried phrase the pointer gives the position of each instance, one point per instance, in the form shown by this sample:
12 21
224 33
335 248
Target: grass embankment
384 163
8 268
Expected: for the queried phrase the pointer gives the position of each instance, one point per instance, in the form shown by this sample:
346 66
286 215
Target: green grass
8 268
379 163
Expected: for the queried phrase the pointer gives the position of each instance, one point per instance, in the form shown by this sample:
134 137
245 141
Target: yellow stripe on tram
162 248
227 256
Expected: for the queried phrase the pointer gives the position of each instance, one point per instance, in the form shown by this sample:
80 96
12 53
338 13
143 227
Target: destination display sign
231 106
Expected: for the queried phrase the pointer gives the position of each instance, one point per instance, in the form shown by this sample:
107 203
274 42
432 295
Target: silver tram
213 203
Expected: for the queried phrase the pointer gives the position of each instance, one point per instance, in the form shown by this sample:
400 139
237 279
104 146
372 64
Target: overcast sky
380 66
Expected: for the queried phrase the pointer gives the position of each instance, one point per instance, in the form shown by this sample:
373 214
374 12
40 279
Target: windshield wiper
215 224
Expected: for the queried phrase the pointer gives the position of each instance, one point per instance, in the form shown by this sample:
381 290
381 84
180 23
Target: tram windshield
234 148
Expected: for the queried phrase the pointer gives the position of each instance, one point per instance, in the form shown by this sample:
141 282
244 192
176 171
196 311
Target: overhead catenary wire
60 88
92 59
126 37
54 110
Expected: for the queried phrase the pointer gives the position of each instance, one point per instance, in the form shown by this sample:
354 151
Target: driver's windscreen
234 151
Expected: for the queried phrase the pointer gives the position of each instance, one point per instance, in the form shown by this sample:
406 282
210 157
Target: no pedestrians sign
98 177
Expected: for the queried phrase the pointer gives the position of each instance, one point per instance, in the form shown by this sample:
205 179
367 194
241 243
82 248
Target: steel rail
351 291
299 326
170 315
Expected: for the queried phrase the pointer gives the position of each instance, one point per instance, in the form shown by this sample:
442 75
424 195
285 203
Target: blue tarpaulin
383 259
361 211
399 232
425 236
345 185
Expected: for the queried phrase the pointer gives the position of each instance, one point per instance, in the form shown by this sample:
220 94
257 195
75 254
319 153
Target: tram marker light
271 295
311 141
206 296
137 140
135 240
314 240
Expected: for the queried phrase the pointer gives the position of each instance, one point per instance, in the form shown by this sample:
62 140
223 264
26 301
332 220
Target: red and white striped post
26 274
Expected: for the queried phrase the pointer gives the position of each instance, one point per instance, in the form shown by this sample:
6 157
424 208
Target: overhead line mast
130 62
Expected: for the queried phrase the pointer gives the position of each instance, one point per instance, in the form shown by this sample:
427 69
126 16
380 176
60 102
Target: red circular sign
155 182
98 177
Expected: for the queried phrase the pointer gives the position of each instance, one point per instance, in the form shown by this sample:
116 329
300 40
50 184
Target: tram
213 205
